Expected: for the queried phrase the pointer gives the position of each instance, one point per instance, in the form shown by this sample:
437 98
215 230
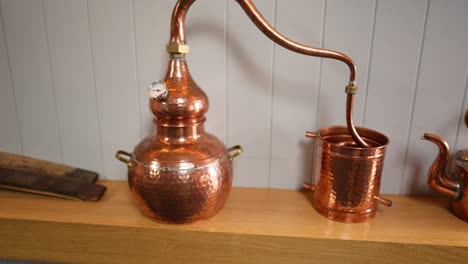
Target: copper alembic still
183 174
449 175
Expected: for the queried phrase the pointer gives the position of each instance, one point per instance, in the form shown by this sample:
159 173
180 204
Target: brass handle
120 153
383 201
238 150
308 186
311 134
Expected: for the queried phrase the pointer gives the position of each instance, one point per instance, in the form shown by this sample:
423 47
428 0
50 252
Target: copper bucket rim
362 131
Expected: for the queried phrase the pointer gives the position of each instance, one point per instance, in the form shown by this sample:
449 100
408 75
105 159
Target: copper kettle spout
449 175
437 178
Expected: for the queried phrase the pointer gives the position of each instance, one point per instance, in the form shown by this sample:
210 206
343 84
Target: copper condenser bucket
348 188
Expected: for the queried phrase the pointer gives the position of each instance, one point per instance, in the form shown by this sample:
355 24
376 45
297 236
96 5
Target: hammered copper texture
349 182
181 174
459 206
178 197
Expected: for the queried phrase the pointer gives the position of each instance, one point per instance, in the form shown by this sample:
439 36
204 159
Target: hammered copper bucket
348 186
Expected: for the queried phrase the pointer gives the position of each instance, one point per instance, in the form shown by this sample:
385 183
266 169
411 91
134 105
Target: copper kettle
449 175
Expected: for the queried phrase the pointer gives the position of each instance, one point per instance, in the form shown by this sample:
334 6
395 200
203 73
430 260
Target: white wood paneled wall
73 77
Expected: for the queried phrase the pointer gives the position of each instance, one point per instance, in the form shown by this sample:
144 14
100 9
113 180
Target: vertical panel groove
294 91
319 82
416 82
371 46
352 38
226 73
132 12
462 108
11 78
226 95
322 43
272 90
52 84
249 82
98 117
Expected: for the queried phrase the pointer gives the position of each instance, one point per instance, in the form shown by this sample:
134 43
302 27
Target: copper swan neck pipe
436 175
178 33
178 21
178 37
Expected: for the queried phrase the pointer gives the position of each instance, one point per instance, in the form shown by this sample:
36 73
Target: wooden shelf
255 226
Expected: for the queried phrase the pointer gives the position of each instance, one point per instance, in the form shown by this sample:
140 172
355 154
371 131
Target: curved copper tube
267 29
383 201
178 21
436 174
308 186
178 36
178 33
350 122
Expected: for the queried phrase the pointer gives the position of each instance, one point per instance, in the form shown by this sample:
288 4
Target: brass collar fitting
177 48
351 88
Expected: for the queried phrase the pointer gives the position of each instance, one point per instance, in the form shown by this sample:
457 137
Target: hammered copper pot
182 173
180 192
348 187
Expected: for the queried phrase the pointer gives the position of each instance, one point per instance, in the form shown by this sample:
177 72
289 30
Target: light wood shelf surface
255 226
